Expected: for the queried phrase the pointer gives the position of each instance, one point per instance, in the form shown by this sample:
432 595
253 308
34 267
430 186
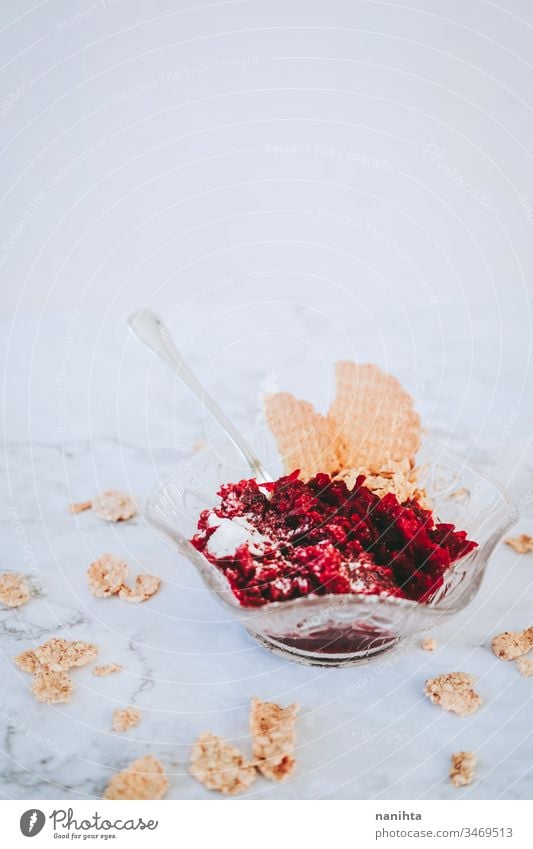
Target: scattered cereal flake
512 644
107 575
52 687
220 766
58 654
27 661
453 691
114 506
198 445
106 669
125 718
459 494
525 666
145 587
429 644
462 770
273 738
80 506
521 544
145 778
14 590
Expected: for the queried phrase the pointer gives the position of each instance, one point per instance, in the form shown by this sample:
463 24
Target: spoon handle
151 331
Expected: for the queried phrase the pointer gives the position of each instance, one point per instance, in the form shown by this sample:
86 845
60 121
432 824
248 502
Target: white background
287 183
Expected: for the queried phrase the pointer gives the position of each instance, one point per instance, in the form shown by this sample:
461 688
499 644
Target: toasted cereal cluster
112 506
125 718
273 738
220 766
107 576
453 691
14 591
521 544
145 778
512 644
396 477
48 664
525 666
462 769
106 669
429 644
371 425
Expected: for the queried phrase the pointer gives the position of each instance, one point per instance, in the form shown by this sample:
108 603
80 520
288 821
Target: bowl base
309 658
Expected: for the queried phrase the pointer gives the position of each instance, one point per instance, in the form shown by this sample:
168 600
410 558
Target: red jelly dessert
282 540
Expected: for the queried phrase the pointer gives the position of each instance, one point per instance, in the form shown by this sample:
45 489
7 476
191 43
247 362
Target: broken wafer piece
453 691
106 575
374 417
521 544
306 440
145 778
220 766
106 669
145 587
512 644
273 738
462 769
14 590
52 687
125 718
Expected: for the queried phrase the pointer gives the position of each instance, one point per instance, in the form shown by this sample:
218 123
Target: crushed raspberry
321 538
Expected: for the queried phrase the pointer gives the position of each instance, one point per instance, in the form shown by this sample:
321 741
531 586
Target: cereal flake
58 654
106 669
125 718
462 769
114 506
27 661
525 666
512 644
52 687
273 738
521 544
107 575
14 591
453 691
145 587
220 766
429 644
145 778
80 506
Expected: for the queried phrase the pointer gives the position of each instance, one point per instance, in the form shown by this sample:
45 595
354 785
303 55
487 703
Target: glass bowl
341 630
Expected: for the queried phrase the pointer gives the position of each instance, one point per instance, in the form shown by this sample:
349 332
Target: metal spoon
151 331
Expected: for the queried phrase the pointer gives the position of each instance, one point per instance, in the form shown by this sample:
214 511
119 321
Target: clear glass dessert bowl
341 630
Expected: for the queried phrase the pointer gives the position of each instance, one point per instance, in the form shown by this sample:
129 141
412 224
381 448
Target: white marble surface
308 182
365 732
